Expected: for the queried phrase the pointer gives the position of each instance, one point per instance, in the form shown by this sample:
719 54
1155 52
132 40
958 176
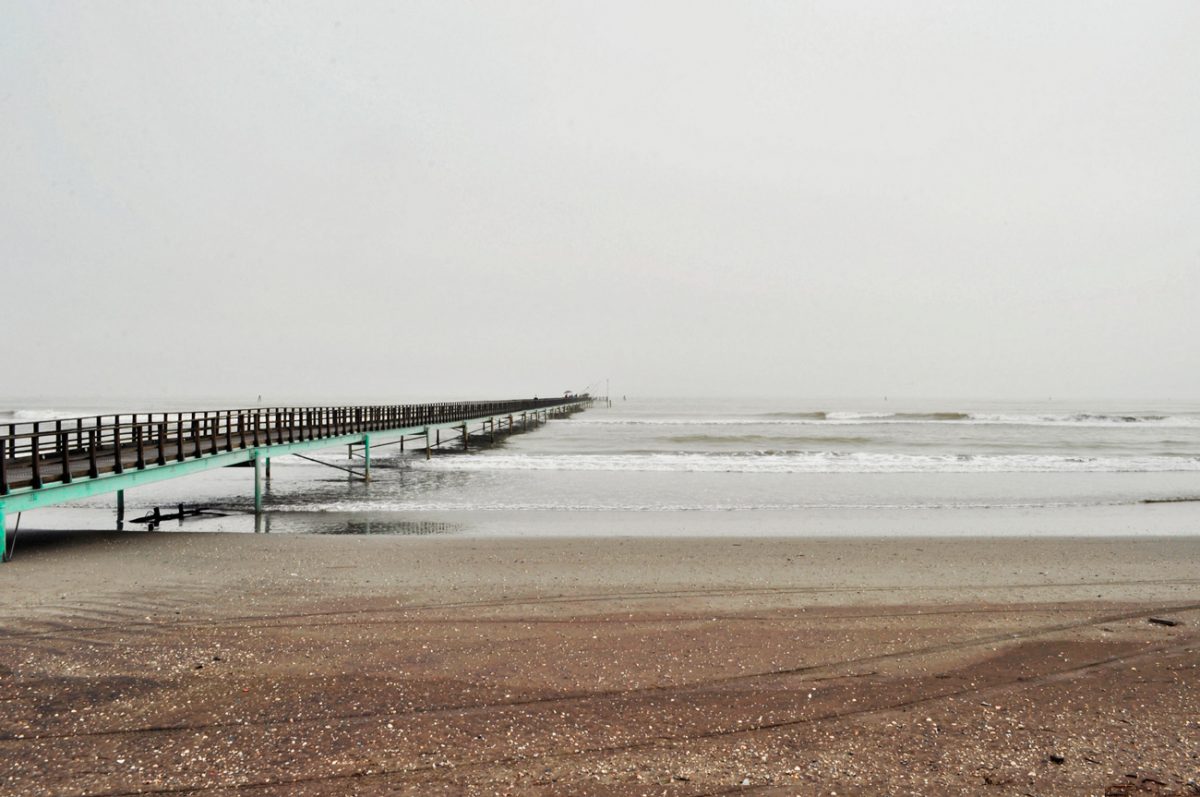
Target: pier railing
34 453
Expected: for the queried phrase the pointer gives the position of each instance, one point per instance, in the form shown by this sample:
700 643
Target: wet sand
303 664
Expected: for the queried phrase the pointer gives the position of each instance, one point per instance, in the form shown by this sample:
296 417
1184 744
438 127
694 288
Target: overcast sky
358 200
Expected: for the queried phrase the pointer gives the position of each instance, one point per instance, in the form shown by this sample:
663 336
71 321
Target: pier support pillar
268 469
466 436
120 510
366 458
257 484
492 425
3 537
428 450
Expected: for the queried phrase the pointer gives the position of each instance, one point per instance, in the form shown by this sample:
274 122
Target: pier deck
50 462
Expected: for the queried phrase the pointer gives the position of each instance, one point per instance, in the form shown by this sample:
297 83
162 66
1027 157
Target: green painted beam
27 498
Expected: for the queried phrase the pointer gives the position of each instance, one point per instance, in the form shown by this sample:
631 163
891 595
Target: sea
700 467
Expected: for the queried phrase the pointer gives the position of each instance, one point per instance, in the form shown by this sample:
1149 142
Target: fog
364 201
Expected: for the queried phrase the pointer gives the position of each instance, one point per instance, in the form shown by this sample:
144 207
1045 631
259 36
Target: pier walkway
50 462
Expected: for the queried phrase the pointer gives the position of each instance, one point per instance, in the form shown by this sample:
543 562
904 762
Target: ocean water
739 466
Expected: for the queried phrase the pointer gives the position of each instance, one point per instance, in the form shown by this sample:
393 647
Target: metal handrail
53 453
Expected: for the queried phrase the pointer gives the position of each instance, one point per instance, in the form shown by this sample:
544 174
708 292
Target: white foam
504 505
873 418
856 416
814 462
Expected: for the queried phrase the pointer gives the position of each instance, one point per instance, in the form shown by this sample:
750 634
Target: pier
43 463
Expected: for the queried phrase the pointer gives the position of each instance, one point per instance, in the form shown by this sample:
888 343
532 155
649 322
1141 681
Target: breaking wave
865 418
816 462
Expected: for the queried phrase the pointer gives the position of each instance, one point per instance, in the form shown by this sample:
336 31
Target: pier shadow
34 542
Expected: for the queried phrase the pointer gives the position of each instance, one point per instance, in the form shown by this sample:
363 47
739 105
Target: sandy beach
303 664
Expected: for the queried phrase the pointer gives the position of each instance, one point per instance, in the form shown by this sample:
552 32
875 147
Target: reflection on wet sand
347 523
404 527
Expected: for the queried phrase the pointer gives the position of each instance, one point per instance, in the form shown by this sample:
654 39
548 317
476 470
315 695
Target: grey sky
366 200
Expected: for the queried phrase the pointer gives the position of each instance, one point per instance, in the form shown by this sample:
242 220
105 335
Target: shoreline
1175 518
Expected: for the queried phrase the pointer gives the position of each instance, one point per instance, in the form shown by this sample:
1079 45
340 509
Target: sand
301 664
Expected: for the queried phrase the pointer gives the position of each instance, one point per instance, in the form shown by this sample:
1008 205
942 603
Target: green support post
268 469
366 457
3 537
257 484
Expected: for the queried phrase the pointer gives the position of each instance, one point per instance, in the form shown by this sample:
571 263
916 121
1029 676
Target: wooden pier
51 462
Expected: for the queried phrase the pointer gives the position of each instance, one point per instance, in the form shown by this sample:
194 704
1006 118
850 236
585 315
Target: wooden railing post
118 464
93 466
36 475
64 449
